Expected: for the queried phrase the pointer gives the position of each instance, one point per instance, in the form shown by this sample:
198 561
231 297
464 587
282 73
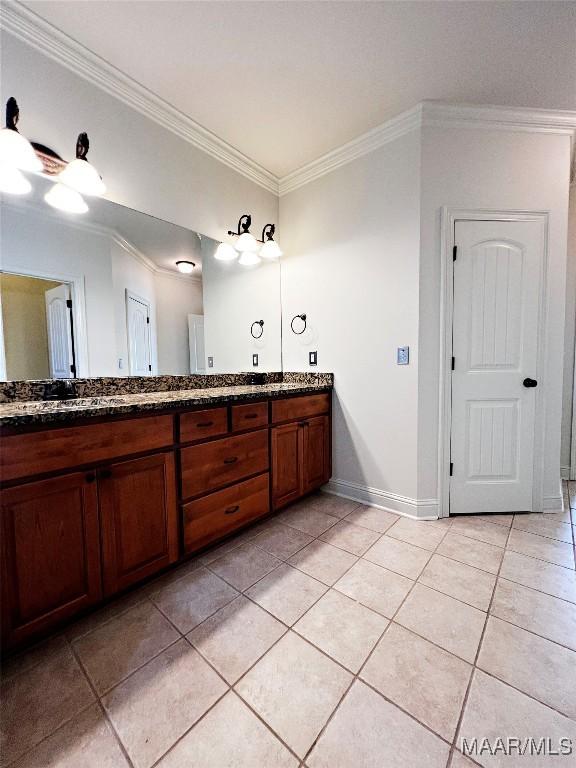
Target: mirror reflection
101 294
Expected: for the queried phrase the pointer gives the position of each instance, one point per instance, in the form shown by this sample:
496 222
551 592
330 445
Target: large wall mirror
100 294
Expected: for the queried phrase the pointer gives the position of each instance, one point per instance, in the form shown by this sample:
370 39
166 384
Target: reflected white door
138 321
59 327
497 284
196 341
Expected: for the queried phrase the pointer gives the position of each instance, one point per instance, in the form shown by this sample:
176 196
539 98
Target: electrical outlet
403 356
255 360
210 362
313 358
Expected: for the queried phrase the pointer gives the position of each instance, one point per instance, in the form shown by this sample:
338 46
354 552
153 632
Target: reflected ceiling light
13 181
246 241
185 267
226 252
65 199
15 150
270 248
80 174
249 259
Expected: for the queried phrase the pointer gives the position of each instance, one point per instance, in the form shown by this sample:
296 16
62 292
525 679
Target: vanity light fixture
270 248
246 241
185 267
15 150
65 199
249 259
226 252
80 174
13 181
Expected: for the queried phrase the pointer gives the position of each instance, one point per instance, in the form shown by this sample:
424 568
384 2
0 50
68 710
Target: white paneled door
497 286
59 328
139 349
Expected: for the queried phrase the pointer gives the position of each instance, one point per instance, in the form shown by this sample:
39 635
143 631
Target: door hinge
69 303
451 468
149 367
454 251
73 369
453 363
148 320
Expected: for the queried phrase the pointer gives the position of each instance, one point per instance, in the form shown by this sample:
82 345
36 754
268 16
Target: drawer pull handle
231 510
251 416
231 460
204 423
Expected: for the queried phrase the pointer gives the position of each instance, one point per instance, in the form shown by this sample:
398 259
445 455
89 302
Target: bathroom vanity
102 493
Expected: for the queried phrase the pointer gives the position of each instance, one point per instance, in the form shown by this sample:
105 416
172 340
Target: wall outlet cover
313 358
255 359
210 362
403 356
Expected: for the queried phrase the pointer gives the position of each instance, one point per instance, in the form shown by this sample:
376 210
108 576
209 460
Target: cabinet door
139 519
286 464
50 553
316 453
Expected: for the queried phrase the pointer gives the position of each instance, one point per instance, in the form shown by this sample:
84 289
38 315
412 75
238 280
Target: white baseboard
554 503
419 509
565 473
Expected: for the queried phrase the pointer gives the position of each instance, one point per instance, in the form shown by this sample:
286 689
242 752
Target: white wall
569 341
144 166
234 297
45 247
176 298
491 169
351 240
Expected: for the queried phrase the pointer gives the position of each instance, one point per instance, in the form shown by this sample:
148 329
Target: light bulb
185 267
225 252
246 242
270 250
13 181
81 175
249 259
65 199
15 150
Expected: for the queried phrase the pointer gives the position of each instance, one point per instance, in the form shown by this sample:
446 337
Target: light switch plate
210 362
403 356
255 359
313 358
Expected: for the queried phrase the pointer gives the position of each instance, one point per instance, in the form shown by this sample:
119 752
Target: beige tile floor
331 636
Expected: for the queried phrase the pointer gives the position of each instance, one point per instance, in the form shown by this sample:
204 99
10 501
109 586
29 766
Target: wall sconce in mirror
80 174
254 327
16 154
251 250
186 267
301 324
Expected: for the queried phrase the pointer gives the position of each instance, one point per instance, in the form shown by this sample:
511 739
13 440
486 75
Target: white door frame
449 217
572 469
78 296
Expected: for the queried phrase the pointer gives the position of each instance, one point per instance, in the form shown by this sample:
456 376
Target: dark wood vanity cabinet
138 517
152 489
51 567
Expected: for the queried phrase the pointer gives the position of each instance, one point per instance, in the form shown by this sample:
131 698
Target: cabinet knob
302 423
105 473
90 477
231 460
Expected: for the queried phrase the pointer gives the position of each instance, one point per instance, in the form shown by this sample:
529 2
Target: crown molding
101 229
44 37
435 114
398 126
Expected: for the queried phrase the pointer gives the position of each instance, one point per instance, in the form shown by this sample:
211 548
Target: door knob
530 383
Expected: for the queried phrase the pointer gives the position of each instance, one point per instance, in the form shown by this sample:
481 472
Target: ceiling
285 82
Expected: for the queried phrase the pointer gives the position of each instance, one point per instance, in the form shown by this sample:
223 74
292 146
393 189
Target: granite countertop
23 413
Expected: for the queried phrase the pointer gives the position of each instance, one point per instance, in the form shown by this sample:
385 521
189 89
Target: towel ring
261 324
296 317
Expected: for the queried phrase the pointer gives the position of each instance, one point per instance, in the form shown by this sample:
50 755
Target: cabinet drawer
198 425
212 465
213 516
33 453
294 408
249 416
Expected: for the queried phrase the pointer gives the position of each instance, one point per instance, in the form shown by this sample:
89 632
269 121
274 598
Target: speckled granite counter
37 412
